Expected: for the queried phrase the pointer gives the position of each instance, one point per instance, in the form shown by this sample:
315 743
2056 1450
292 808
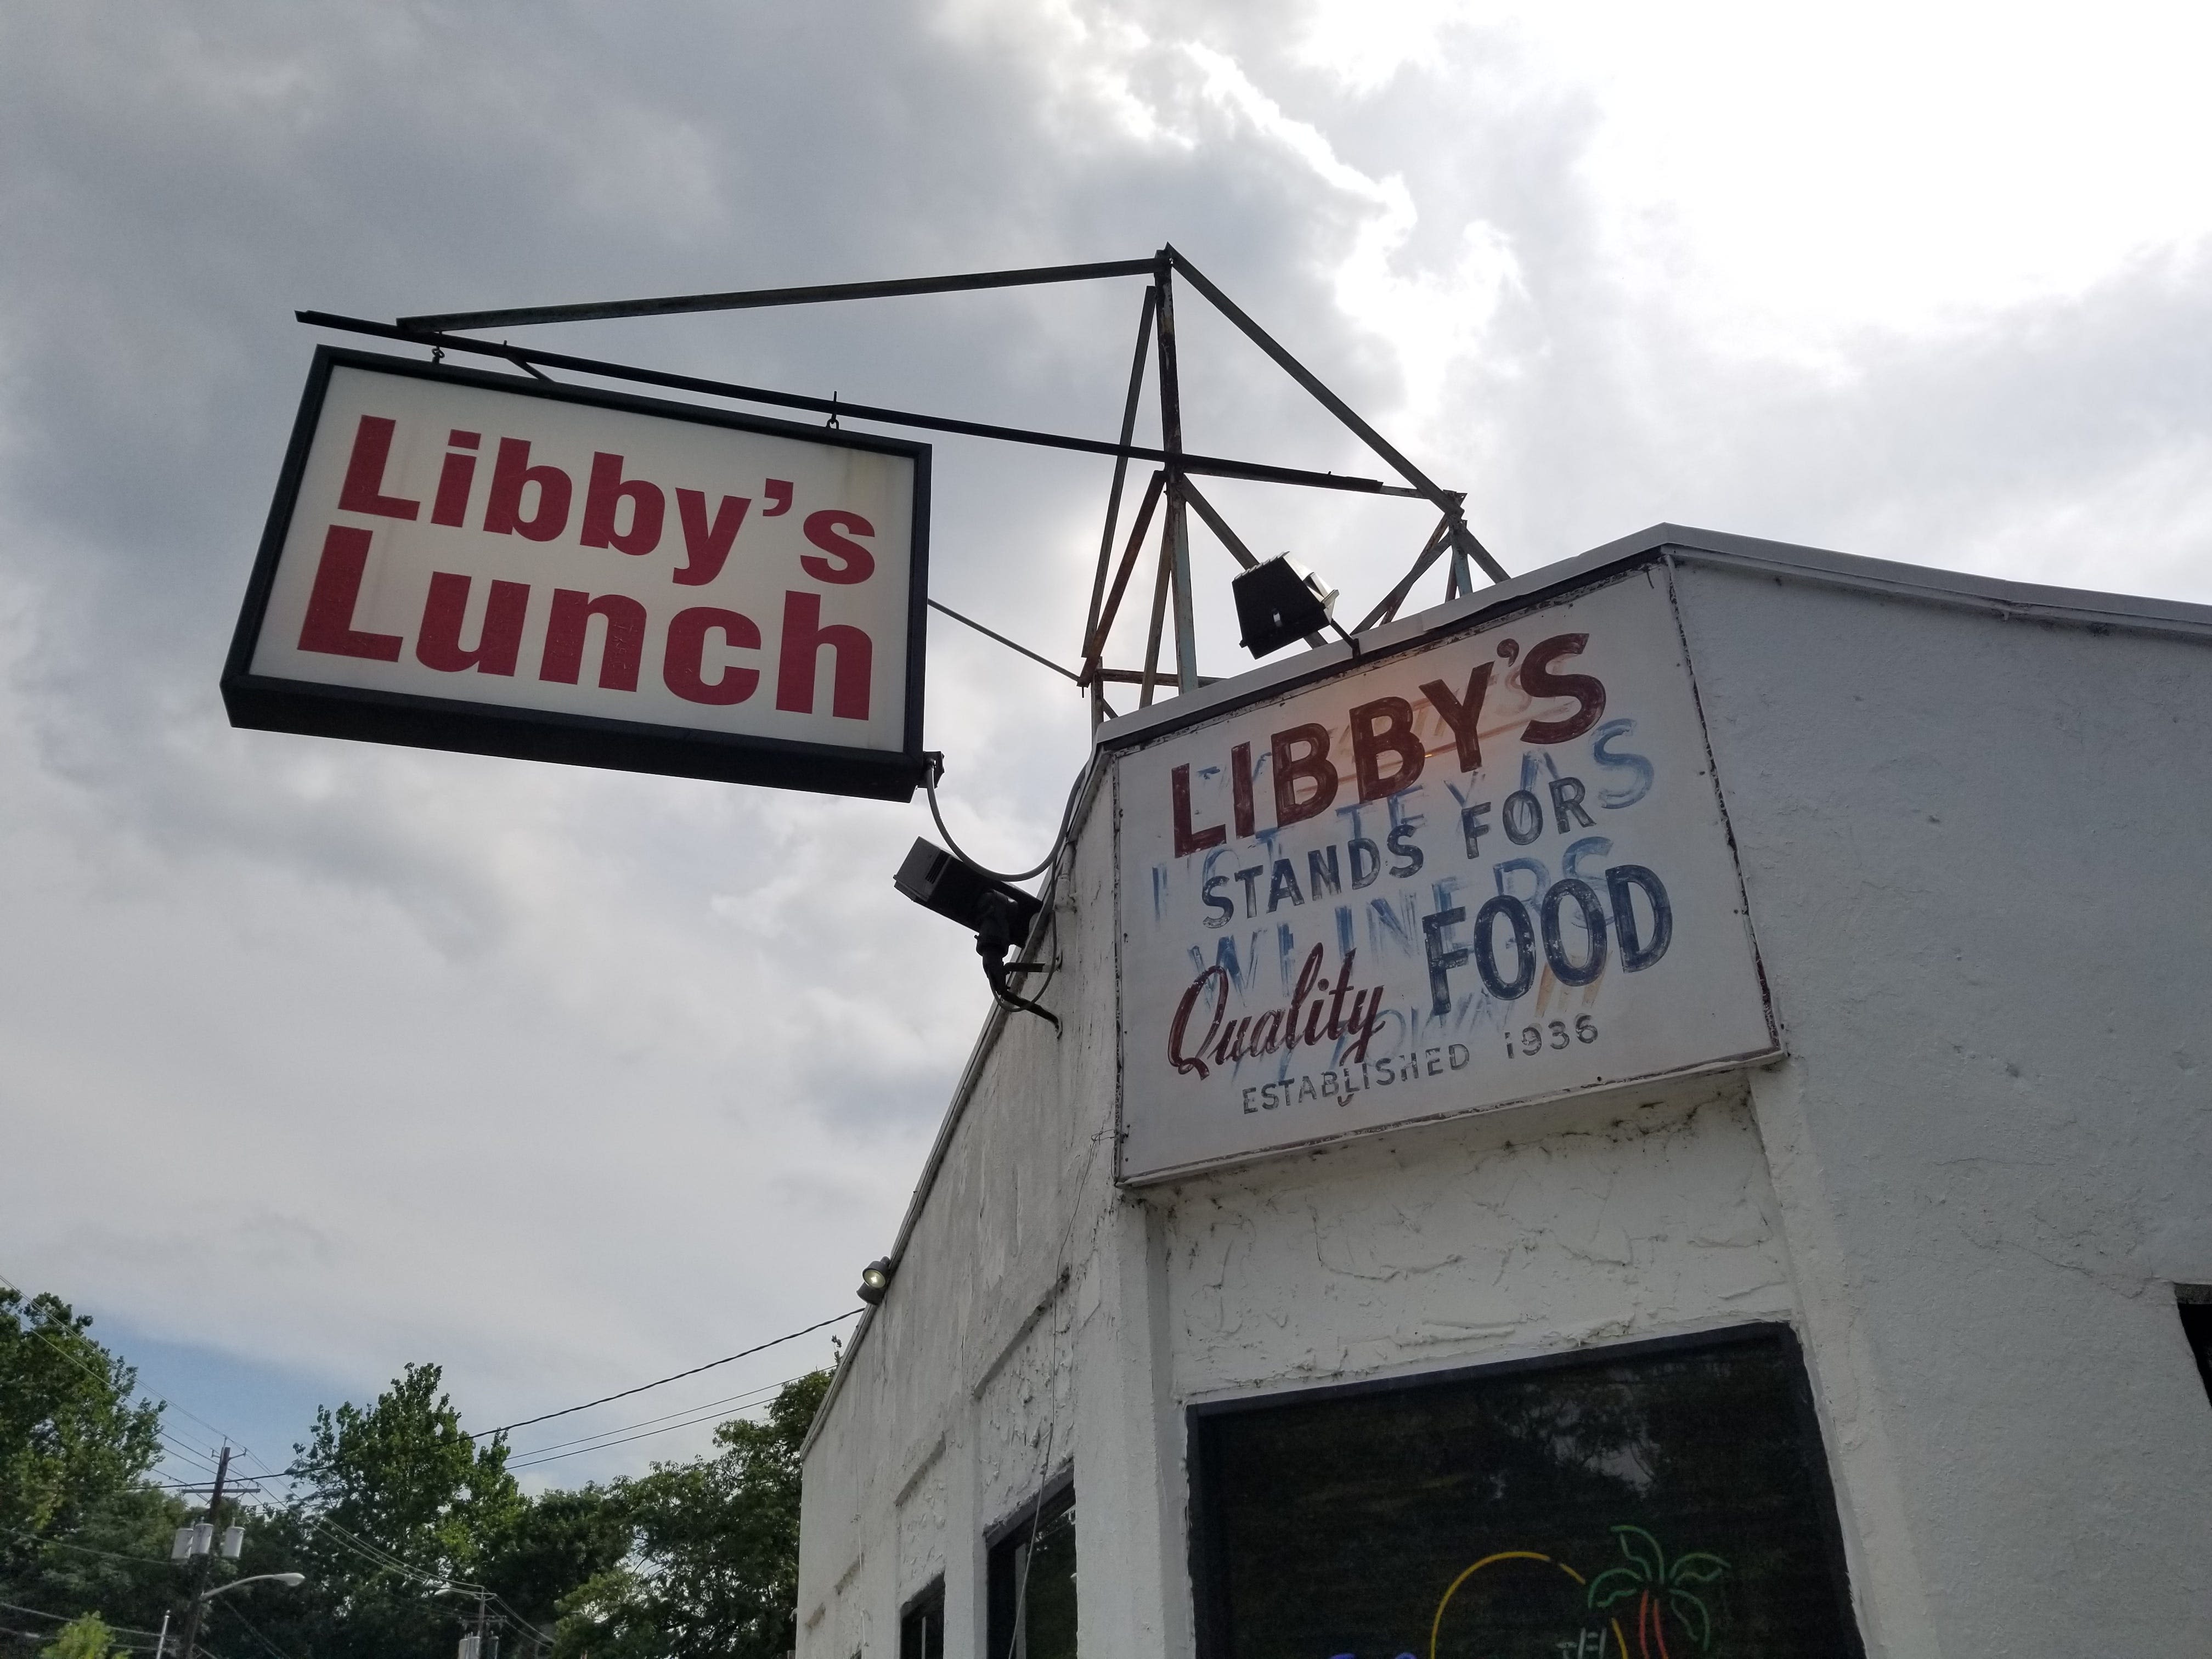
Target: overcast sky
318 1058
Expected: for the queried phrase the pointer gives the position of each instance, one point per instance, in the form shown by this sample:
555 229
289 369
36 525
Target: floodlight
875 1280
1001 914
937 880
1278 602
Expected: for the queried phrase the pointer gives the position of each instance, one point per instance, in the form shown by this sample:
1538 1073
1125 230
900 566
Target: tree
88 1638
70 1436
553 1544
403 1474
714 1571
399 1500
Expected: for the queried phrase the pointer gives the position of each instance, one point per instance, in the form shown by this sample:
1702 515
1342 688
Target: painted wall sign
1488 870
457 560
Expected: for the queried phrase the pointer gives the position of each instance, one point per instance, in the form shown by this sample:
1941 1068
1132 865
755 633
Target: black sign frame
268 704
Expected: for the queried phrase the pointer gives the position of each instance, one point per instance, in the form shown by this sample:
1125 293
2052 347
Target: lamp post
289 1580
202 1545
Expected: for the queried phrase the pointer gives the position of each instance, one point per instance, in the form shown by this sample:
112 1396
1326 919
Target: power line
182 1449
524 1423
68 1618
709 1408
603 1444
254 1630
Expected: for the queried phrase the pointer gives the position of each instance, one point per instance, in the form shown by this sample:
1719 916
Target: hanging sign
1489 869
457 560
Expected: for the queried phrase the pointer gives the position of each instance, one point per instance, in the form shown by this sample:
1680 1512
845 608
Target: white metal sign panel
1490 870
476 562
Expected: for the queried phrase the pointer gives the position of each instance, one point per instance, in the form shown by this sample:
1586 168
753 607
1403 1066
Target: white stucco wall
1976 854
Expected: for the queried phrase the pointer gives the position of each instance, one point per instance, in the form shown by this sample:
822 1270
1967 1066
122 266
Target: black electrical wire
1067 816
181 1449
700 1414
758 1347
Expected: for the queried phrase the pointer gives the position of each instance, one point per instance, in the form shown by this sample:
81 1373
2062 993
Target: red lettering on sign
510 472
1385 727
1240 789
498 642
363 492
1187 840
620 652
329 625
1462 713
1293 768
804 636
1226 1040
452 506
603 498
709 546
1538 681
855 563
682 668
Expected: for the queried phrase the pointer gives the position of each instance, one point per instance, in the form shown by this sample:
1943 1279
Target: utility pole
207 1557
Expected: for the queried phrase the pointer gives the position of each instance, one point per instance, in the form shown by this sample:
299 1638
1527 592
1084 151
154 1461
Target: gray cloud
334 1056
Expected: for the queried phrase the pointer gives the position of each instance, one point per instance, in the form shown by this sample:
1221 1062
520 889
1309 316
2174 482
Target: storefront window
921 1626
1032 1590
1657 1501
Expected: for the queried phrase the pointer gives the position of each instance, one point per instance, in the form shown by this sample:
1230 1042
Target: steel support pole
1177 547
1113 495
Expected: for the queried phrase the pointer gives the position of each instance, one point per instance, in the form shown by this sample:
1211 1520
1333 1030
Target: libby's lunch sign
1490 868
457 560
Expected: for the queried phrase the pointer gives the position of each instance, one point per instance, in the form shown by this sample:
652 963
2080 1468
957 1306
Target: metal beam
1011 645
1113 495
1386 609
753 298
523 356
1463 541
1178 545
1095 647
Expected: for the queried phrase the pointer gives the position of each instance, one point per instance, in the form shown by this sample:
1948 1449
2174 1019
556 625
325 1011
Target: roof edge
1926 583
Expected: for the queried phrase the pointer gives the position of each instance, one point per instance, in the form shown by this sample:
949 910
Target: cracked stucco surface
1978 857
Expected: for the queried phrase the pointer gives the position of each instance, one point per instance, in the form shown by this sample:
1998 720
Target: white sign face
607 579
1492 869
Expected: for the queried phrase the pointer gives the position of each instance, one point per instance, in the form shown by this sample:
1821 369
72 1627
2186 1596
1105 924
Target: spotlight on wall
1278 602
875 1280
1001 915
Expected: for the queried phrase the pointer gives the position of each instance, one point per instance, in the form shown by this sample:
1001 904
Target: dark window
1643 1500
1032 1591
2196 1323
921 1628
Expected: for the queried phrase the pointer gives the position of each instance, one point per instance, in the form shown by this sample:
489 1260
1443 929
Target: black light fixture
1001 914
1277 602
875 1280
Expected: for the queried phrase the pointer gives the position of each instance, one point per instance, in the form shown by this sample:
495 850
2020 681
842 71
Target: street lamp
289 1580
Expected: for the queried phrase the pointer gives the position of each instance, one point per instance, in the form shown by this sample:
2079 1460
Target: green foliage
403 1474
552 1546
695 1560
714 1573
85 1638
69 1436
396 1481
